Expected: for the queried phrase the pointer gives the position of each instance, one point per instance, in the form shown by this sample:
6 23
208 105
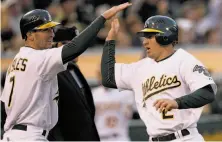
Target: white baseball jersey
174 77
31 86
113 112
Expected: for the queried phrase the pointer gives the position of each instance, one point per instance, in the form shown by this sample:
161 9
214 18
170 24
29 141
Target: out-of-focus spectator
123 39
211 23
85 11
55 11
213 36
12 9
134 24
51 6
101 36
148 9
97 3
192 12
186 31
163 8
200 21
69 16
10 31
27 5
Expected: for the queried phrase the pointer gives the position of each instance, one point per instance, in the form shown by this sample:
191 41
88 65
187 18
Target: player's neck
165 54
31 45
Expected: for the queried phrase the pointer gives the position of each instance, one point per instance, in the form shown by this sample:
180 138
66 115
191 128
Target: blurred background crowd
199 21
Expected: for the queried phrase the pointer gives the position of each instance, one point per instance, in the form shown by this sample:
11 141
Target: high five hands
114 10
113 33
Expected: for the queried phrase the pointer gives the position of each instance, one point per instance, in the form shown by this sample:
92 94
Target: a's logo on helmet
153 23
159 22
34 18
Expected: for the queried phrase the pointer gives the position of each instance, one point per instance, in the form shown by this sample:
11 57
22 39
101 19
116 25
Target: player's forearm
108 64
196 99
80 43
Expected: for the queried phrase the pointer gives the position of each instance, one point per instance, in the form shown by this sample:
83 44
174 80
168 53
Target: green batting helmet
36 20
165 29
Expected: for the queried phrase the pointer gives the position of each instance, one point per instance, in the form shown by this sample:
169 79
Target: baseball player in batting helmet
38 19
31 82
170 85
164 28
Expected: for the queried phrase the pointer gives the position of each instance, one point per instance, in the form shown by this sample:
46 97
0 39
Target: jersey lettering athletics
165 82
31 86
113 112
174 77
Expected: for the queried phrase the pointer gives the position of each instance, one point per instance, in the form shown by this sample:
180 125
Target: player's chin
150 55
49 44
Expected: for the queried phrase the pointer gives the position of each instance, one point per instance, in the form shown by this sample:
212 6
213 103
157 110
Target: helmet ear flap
167 37
159 38
163 39
173 33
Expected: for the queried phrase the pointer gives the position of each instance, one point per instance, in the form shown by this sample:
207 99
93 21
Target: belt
109 136
24 128
171 137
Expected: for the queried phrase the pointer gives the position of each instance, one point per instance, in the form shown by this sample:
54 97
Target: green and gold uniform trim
47 25
149 30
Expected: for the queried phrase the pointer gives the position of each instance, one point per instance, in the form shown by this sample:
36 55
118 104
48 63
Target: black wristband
178 103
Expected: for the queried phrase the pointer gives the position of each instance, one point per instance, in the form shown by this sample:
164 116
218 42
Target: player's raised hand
113 33
166 104
115 26
115 9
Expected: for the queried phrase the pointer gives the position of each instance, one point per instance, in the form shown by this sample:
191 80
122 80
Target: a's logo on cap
34 18
159 22
154 23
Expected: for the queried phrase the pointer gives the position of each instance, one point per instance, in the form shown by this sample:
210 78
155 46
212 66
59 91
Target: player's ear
30 36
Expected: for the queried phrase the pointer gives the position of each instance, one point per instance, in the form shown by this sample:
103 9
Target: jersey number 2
111 121
12 79
165 116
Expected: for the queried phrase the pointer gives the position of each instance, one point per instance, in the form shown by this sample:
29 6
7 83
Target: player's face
44 38
153 49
